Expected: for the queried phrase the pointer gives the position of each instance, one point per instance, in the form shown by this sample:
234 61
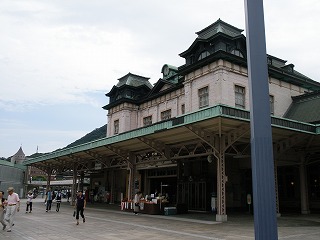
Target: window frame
239 96
183 109
271 100
203 97
147 121
116 126
165 115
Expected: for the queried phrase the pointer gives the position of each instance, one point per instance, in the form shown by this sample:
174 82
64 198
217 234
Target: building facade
215 73
188 135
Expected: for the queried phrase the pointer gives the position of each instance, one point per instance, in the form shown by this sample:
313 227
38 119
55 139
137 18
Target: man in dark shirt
80 206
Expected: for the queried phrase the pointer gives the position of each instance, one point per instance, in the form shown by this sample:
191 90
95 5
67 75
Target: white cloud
55 53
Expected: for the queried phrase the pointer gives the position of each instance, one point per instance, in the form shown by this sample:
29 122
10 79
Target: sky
58 58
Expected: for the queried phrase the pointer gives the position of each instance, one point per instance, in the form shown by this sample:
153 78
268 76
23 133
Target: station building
189 134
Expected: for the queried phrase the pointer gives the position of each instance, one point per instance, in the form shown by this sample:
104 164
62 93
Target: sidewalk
109 222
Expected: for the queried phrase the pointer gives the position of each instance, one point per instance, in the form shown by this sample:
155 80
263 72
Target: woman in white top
29 201
136 201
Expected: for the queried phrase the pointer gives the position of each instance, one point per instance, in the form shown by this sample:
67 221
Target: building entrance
193 195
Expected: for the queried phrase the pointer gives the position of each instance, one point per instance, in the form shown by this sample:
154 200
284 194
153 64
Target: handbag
28 202
74 213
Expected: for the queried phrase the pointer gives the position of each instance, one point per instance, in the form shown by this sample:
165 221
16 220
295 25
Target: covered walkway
219 134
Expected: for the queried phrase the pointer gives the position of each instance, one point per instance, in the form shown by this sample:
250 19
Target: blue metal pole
263 179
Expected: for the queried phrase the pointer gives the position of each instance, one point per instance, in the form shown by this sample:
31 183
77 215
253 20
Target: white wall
220 77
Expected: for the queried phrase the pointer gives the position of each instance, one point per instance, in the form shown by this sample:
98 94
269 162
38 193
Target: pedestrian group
11 205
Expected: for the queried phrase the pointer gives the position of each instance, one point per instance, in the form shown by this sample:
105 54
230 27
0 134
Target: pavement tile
108 222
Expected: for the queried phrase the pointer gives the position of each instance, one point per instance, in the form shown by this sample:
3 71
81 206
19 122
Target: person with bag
29 201
58 200
80 206
136 202
48 199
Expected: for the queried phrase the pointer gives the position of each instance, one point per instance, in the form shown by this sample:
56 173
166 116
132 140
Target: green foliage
39 178
94 135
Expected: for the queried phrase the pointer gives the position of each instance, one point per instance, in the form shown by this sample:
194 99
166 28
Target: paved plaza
108 222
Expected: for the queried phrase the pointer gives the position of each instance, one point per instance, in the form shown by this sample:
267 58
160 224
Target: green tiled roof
219 26
305 108
134 80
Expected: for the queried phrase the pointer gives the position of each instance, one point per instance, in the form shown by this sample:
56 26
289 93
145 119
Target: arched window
203 55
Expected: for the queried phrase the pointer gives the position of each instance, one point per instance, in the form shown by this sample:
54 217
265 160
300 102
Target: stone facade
220 77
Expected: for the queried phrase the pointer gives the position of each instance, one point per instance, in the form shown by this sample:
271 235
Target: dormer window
203 55
119 96
130 94
237 53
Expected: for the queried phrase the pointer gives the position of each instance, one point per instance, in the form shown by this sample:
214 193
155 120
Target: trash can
170 211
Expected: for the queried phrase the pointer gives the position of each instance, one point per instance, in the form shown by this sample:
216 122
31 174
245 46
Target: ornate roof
134 81
219 26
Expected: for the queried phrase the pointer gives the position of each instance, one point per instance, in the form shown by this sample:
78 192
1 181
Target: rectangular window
203 97
239 96
116 126
183 109
166 115
147 121
271 104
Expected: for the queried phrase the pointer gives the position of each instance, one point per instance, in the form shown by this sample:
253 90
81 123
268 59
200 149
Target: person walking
136 201
80 206
68 195
48 200
29 201
2 203
58 200
13 206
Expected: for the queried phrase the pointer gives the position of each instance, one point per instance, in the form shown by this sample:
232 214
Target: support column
81 181
132 170
112 175
49 172
276 187
74 185
303 188
221 215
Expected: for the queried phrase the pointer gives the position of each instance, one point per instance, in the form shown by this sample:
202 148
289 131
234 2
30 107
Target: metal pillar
276 188
132 170
74 185
264 200
81 181
303 188
112 182
49 172
221 215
